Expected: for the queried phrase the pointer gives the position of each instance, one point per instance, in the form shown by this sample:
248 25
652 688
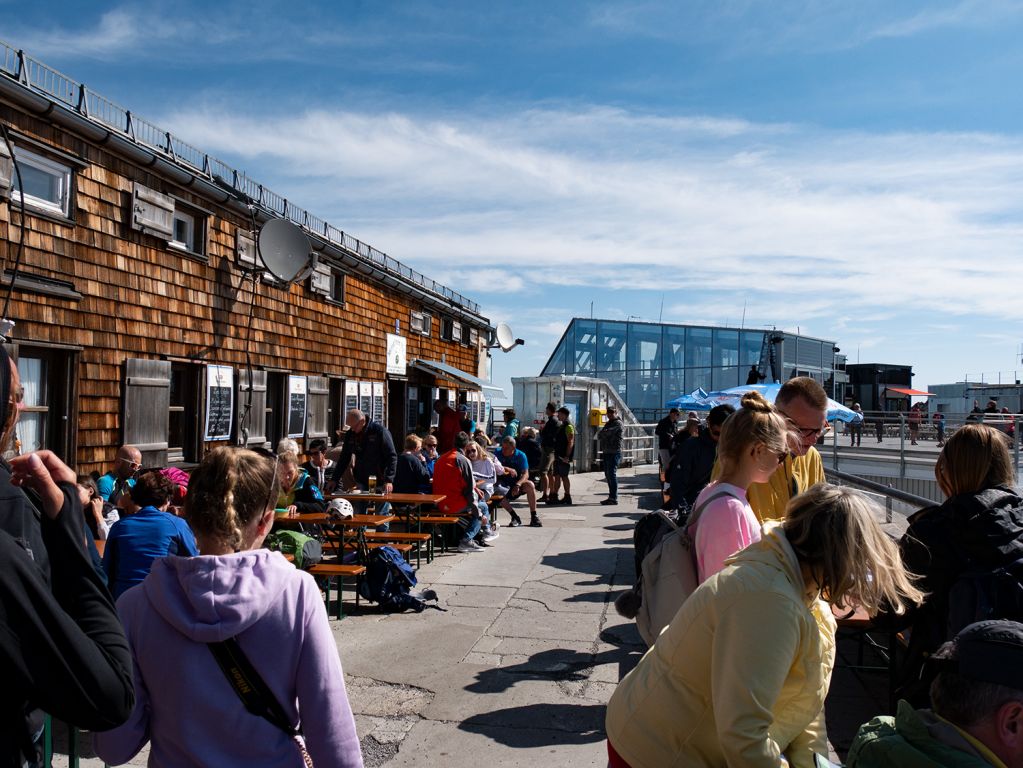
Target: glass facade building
651 363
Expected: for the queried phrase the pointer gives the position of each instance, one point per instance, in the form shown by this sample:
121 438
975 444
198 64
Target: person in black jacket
693 463
371 446
548 439
979 525
665 432
411 475
529 445
62 649
610 440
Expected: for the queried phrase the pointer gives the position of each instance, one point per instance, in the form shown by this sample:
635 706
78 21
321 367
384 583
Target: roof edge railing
74 96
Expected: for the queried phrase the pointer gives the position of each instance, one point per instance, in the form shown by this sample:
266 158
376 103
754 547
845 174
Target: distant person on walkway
938 419
186 708
740 675
754 376
753 442
511 424
548 437
692 467
913 419
452 479
449 425
976 714
146 533
980 523
319 467
122 477
804 404
610 440
856 427
665 432
564 449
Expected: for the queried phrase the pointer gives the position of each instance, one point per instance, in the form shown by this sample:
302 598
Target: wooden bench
334 542
439 520
338 572
413 539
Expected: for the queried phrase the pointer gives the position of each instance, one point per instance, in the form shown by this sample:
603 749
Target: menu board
351 396
412 409
296 406
378 401
219 402
366 398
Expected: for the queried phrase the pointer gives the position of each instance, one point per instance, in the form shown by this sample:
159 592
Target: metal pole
902 445
834 444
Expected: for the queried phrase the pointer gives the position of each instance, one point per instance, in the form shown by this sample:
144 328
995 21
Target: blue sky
851 170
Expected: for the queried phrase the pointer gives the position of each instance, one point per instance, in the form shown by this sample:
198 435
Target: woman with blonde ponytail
753 442
234 590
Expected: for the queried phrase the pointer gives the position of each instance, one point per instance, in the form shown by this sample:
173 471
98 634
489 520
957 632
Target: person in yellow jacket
804 404
740 675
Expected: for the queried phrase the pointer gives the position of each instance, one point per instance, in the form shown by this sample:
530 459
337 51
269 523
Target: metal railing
77 98
890 494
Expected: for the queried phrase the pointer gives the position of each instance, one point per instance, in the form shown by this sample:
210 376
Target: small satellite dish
284 249
506 339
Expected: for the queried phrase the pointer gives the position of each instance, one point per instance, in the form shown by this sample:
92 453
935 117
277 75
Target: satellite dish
284 249
506 339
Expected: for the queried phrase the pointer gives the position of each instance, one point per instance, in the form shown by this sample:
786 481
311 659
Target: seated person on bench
515 481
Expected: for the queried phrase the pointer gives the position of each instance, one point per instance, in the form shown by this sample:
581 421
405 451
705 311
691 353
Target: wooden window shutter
152 212
6 171
255 420
147 408
317 405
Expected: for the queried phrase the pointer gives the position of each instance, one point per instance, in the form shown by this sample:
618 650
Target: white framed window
47 183
184 231
456 331
420 322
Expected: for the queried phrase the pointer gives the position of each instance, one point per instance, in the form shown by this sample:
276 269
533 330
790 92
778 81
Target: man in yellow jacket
805 404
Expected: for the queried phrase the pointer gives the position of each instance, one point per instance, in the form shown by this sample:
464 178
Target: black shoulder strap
250 687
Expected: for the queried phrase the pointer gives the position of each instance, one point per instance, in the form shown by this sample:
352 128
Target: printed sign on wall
219 401
296 406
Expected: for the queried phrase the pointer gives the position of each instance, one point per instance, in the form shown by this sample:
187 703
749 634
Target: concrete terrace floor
517 668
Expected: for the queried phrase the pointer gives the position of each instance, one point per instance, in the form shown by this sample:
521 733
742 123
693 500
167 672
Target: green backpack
306 550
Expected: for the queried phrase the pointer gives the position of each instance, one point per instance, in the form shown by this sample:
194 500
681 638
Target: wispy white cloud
963 14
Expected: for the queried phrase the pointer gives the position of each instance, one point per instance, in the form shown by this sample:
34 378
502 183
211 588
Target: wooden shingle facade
119 329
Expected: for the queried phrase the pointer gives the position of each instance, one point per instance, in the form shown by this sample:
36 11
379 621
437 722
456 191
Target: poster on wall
351 396
396 351
378 401
366 398
219 401
296 406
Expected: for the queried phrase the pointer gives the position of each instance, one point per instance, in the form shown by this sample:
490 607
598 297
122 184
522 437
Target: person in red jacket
452 477
450 425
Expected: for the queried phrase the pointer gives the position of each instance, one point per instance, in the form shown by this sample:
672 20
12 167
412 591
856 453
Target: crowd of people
185 590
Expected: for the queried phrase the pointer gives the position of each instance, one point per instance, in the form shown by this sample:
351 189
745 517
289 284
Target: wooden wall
144 299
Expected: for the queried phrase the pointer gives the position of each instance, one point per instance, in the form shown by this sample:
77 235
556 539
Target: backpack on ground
669 576
982 593
389 581
306 550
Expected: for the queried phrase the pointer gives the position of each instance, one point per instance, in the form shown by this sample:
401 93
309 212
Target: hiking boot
544 499
552 500
566 502
516 521
609 502
534 522
479 541
468 545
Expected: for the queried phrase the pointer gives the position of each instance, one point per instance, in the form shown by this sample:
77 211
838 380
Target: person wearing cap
465 422
511 424
665 432
610 439
976 714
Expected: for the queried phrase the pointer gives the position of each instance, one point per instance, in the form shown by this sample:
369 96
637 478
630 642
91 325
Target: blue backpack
389 581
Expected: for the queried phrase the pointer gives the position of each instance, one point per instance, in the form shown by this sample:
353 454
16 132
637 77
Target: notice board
296 406
219 401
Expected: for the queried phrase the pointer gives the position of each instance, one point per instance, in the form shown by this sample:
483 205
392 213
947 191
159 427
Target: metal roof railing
74 96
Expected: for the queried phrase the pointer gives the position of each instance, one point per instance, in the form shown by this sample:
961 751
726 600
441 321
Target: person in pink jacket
753 442
185 707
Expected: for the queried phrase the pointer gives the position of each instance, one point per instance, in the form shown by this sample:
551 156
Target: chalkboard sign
351 396
378 401
296 406
219 402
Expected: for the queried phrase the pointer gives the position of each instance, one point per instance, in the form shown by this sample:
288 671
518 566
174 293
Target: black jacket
665 432
980 529
549 433
411 476
691 468
374 454
610 436
62 648
531 447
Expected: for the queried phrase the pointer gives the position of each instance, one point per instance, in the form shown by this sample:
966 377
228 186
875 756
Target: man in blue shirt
146 532
515 481
122 477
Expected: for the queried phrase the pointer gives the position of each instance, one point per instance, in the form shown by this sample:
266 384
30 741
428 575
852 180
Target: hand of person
95 509
292 510
388 488
40 472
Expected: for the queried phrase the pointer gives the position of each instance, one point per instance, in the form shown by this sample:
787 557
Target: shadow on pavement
557 664
540 725
595 561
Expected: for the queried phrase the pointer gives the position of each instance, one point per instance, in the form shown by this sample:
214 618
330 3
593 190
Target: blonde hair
975 458
805 388
834 533
288 457
756 422
413 442
230 488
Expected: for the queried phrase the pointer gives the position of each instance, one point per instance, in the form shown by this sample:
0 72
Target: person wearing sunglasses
804 404
753 443
122 477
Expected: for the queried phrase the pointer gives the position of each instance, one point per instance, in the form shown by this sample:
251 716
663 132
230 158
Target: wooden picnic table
398 499
322 518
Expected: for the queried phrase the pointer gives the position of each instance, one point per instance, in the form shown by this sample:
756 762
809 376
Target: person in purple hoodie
185 707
